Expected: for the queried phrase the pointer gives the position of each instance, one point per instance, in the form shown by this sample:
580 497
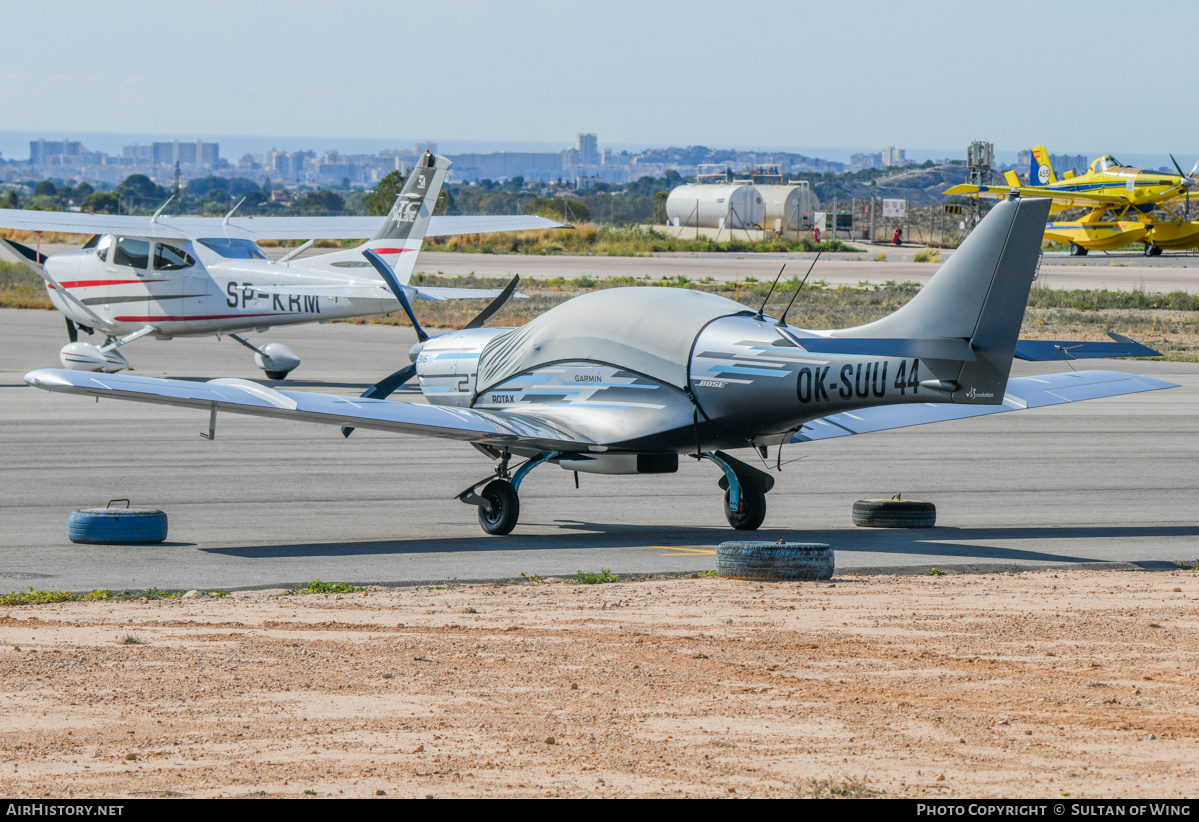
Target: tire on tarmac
894 513
774 561
117 526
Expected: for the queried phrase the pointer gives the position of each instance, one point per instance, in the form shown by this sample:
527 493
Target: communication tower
980 157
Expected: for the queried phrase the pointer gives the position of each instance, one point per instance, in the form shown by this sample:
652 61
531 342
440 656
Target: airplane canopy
648 330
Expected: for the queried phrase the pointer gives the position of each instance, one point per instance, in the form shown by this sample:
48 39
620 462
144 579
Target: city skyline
584 164
590 157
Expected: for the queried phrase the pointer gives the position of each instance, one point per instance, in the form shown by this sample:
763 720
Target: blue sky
1079 77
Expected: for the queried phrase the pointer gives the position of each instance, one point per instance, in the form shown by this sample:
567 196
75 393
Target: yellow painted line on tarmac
675 552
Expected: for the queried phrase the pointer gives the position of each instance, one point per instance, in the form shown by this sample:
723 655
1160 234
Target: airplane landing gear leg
498 502
745 490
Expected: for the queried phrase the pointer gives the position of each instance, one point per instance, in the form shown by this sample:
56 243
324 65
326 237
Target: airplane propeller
384 387
1188 182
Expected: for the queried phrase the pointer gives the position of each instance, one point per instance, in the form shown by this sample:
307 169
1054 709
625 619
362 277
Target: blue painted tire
774 561
117 526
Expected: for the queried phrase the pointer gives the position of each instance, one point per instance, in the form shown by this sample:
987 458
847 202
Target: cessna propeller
384 387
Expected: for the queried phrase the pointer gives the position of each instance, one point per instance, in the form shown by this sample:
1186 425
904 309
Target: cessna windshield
235 249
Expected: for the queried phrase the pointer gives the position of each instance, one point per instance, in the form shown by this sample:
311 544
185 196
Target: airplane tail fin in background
979 296
1040 172
399 239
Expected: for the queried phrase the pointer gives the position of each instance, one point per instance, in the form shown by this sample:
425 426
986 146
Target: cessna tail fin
978 296
409 217
399 238
1041 171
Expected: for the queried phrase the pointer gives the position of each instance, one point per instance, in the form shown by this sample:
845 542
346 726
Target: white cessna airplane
175 276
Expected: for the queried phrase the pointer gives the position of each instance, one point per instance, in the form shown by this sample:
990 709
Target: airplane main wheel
1155 251
751 511
1077 251
276 375
505 508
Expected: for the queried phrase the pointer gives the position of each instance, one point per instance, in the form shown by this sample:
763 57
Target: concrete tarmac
1177 272
1124 270
271 504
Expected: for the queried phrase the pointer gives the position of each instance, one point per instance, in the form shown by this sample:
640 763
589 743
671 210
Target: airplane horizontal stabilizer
1046 350
1022 393
244 397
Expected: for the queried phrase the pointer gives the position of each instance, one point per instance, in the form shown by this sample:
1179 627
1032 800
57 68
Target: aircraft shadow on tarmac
948 543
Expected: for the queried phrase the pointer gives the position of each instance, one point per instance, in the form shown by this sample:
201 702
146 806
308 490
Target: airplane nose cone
414 351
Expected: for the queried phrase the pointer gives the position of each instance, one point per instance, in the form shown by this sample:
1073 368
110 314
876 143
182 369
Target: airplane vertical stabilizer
398 240
409 216
1040 172
979 295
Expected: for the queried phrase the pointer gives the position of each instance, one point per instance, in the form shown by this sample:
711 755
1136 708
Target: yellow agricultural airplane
1131 194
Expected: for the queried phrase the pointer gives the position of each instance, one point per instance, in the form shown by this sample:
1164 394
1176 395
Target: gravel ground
1047 684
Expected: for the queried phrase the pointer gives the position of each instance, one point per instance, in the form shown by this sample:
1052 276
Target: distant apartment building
860 162
43 152
587 146
504 165
892 156
191 153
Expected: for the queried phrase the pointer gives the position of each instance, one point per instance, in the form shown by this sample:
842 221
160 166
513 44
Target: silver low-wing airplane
186 276
624 381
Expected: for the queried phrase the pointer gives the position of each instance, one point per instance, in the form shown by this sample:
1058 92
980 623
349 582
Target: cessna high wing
1131 195
625 380
174 276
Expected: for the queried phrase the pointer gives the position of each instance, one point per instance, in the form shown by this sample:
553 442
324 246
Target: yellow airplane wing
1075 197
1081 198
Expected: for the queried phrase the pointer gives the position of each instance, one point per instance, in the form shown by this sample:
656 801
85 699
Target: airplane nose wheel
751 508
503 508
752 485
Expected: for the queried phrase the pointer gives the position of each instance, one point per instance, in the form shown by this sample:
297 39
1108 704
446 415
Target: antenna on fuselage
760 315
783 319
154 219
230 214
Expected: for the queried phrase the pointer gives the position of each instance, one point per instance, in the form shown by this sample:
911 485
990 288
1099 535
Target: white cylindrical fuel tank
788 207
735 205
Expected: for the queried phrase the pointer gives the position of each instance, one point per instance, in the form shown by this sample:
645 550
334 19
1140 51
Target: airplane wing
1082 198
498 428
1022 393
254 228
367 291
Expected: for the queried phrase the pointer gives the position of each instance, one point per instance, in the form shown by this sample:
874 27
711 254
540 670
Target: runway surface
1124 271
270 504
1173 271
